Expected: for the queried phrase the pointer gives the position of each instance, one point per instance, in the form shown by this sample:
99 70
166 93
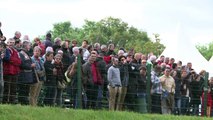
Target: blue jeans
99 97
177 105
184 105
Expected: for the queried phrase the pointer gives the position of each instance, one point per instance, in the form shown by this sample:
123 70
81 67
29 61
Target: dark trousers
50 95
92 94
131 98
10 83
1 90
23 93
156 103
59 99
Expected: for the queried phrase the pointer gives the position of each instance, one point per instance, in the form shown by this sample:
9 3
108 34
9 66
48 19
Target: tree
105 30
206 50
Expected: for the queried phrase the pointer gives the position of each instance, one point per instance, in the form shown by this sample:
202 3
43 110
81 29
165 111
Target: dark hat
143 67
120 57
48 35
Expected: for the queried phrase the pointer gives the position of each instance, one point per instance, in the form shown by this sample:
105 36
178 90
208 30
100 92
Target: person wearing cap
168 88
141 90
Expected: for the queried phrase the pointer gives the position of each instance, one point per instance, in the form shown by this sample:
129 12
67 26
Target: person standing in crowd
97 47
59 74
2 37
90 48
124 75
115 86
37 42
73 59
57 44
2 50
17 41
171 62
209 103
26 74
134 75
104 50
211 91
141 91
85 51
120 53
168 89
74 44
75 51
196 92
156 89
66 55
185 91
48 41
176 74
39 76
111 51
11 65
73 87
101 69
189 67
50 83
26 38
166 60
162 57
93 80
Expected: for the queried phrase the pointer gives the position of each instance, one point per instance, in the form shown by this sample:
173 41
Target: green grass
18 112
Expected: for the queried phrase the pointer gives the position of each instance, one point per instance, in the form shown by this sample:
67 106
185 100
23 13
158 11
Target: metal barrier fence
101 98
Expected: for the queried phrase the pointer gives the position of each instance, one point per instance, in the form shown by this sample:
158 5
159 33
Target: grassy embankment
18 112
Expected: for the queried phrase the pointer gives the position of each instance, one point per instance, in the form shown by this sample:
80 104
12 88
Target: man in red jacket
11 70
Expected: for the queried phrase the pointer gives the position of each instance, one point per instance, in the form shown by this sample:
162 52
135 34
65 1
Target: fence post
205 93
79 96
148 85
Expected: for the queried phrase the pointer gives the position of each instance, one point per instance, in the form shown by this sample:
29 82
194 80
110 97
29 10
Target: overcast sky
36 17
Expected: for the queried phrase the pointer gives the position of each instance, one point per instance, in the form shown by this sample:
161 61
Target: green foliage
105 30
18 112
206 50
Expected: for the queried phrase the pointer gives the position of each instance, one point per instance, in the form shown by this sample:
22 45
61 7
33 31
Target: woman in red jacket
11 70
